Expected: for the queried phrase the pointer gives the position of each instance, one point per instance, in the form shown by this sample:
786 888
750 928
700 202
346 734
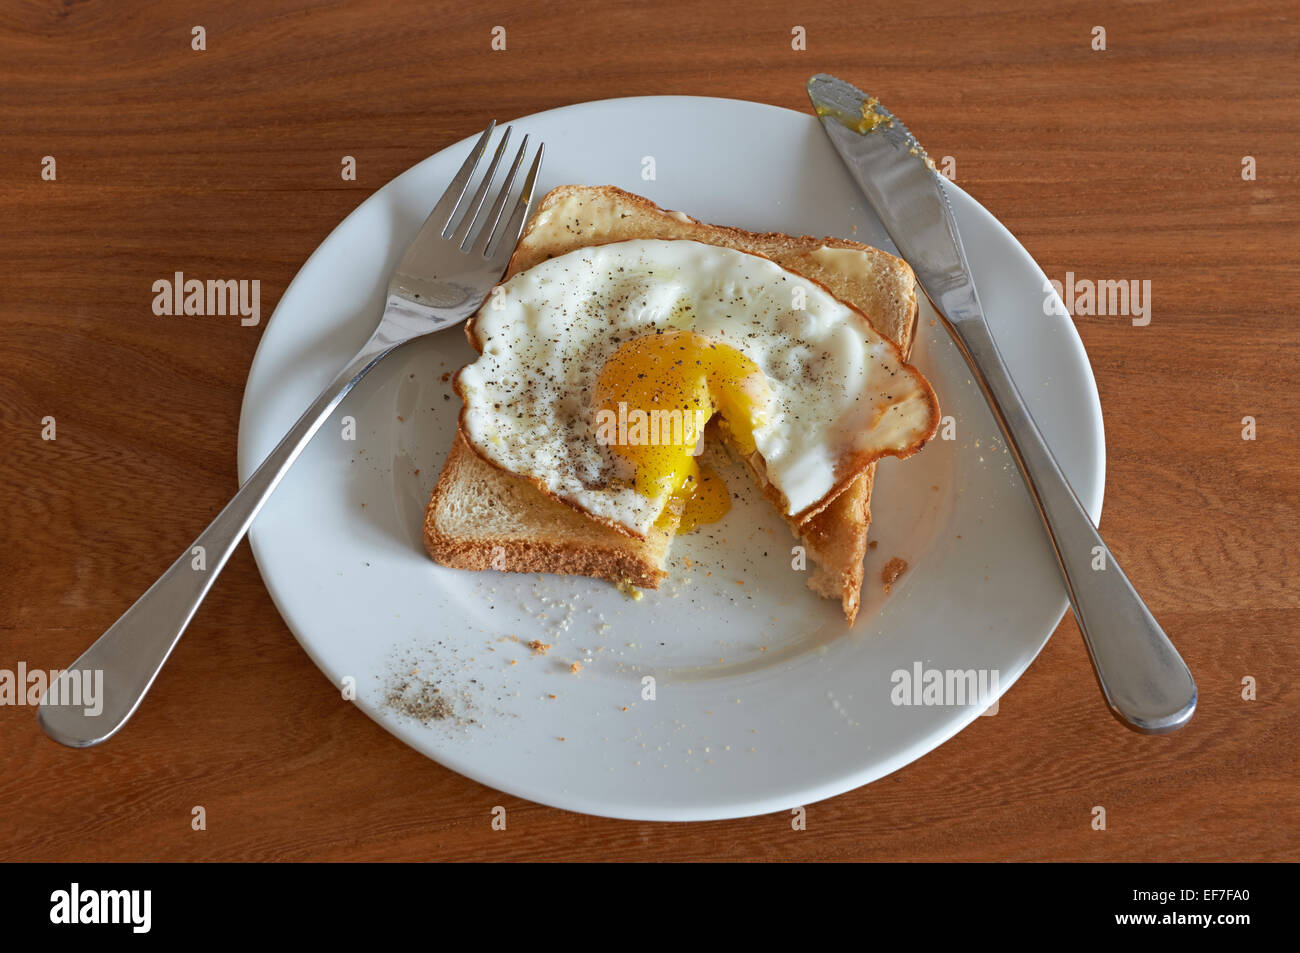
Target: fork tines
472 230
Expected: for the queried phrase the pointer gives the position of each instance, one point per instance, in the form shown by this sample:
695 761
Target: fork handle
132 652
1145 681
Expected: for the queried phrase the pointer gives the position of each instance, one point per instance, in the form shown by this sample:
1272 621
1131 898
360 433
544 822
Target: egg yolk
653 397
708 501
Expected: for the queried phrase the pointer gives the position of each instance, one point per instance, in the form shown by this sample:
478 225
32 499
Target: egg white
841 394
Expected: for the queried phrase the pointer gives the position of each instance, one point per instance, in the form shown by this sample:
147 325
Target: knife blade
1144 680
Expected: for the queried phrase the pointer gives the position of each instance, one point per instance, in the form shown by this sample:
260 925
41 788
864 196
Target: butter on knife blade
832 98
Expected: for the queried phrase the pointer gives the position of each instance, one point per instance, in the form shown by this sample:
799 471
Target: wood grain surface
1117 164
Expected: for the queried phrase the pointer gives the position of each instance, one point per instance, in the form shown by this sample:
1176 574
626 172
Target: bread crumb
893 569
575 668
873 544
539 647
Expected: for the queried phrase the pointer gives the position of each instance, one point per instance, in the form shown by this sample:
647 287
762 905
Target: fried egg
599 369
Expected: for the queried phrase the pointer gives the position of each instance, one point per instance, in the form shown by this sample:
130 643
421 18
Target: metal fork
445 275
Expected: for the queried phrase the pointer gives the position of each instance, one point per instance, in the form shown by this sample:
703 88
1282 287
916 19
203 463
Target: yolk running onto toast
708 502
653 397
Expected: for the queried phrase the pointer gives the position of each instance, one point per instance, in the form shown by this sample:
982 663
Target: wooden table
1125 163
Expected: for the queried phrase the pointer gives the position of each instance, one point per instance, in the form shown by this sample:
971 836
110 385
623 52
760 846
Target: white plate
763 699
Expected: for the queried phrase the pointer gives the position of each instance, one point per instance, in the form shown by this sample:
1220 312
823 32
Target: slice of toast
520 529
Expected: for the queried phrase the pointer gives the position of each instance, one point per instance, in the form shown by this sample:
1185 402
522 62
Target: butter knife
1144 679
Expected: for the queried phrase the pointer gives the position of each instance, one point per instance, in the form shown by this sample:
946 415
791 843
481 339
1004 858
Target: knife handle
1146 682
